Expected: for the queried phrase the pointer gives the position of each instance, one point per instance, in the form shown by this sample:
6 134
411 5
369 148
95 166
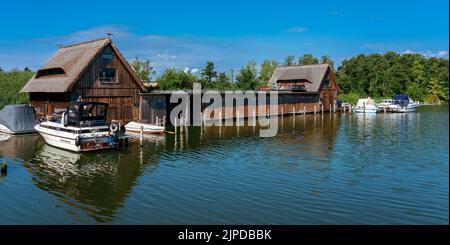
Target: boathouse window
108 75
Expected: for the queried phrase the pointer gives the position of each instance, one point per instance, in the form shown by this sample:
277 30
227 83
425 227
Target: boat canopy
401 99
19 118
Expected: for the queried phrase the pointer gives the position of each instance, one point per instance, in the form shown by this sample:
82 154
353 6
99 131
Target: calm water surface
335 169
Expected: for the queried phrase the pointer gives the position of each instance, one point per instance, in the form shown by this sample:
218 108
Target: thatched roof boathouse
92 71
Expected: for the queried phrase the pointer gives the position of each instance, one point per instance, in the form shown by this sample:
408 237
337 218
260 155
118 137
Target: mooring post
314 109
321 109
141 137
304 110
329 108
175 125
254 118
181 124
164 122
293 111
238 121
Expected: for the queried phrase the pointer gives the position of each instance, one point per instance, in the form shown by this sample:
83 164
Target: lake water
330 169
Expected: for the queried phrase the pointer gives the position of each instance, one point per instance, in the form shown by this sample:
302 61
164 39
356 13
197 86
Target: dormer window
50 72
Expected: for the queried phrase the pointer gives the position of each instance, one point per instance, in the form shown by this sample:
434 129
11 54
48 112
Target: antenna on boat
109 34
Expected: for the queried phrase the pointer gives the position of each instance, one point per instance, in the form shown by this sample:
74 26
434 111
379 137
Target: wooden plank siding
122 96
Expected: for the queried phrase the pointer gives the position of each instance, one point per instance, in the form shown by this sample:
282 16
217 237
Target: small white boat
366 106
81 127
135 127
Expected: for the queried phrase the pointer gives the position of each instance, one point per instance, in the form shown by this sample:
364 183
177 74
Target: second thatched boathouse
90 71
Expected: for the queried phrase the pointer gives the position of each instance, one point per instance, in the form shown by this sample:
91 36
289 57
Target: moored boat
403 103
17 119
366 106
135 127
81 127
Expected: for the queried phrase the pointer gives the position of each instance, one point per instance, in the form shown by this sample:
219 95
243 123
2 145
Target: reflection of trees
97 182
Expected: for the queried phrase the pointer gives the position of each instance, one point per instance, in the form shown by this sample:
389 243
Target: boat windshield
88 111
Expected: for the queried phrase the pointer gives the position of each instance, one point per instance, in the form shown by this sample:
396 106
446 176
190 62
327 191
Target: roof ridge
91 41
296 65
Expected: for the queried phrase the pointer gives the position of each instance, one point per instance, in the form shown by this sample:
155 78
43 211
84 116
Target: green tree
143 69
208 74
267 69
325 59
289 60
247 78
173 79
11 82
308 59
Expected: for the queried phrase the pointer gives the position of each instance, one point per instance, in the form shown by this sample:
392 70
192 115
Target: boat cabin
83 114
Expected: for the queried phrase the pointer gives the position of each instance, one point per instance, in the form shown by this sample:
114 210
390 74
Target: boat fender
78 141
113 127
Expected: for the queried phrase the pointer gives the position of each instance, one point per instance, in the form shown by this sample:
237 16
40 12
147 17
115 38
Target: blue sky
186 34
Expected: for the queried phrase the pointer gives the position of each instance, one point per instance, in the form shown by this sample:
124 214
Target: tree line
11 82
375 75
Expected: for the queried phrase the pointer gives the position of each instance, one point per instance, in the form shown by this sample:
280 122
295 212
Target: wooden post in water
141 136
254 120
181 124
238 121
321 109
220 123
175 126
164 122
314 109
304 110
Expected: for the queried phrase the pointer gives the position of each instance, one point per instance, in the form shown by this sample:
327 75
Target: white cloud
408 52
428 53
297 29
443 53
194 70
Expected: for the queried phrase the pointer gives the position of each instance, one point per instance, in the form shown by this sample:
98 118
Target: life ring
77 141
113 127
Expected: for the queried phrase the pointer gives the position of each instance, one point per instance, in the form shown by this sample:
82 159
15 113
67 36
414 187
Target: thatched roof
312 74
63 70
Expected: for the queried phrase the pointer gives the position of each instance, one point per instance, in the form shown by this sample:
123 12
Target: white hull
404 109
134 127
67 140
4 129
365 110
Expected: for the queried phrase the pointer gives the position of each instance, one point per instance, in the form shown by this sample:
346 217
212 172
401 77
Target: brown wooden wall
122 97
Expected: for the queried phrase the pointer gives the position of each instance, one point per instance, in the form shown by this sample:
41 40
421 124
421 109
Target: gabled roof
313 74
68 64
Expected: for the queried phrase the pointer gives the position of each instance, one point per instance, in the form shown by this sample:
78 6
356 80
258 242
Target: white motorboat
81 127
135 128
366 106
385 105
403 103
